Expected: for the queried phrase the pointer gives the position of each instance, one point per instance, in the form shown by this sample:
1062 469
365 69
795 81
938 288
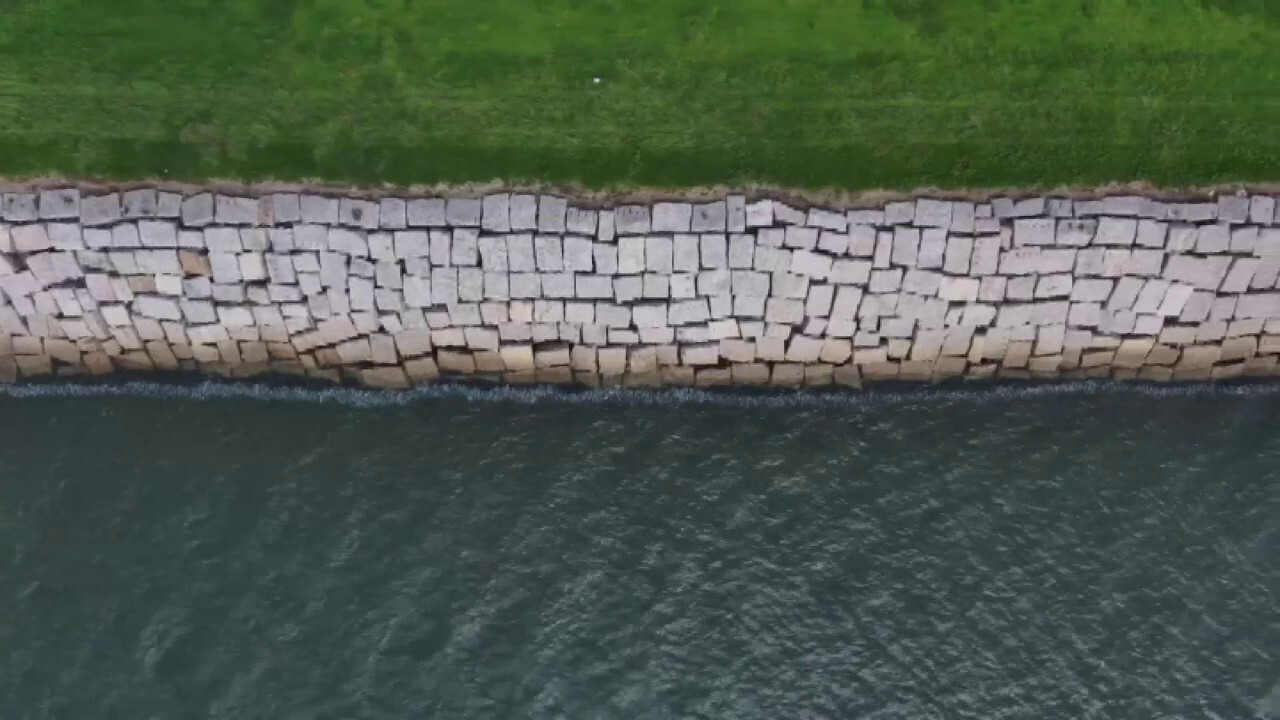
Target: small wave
743 397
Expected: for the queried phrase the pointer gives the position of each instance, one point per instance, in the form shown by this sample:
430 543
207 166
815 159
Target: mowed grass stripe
852 94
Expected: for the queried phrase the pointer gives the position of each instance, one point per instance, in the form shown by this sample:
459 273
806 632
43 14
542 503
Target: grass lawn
845 93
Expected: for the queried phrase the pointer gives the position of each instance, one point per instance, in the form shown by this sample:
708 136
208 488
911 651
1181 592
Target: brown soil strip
614 196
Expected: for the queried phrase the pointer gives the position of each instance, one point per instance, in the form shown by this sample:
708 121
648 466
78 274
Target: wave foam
361 397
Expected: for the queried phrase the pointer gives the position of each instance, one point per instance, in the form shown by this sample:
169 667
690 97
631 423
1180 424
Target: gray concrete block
812 264
462 212
348 242
287 207
1201 273
1268 243
1061 208
580 221
145 203
741 251
357 213
520 253
805 238
1116 231
735 213
784 214
1122 205
464 247
829 241
658 254
523 212
59 204
673 217
1258 305
1233 209
20 207
713 251
958 289
234 210
589 286
628 288
906 246
1244 239
933 245
1151 233
631 219
1034 231
828 220
525 285
605 257
1030 207
899 213
197 210
1193 212
495 212
1262 210
158 233
607 226
441 242
759 214
551 213
558 285
65 236
100 209
1240 275
1213 239
30 238
420 212
1075 232
933 213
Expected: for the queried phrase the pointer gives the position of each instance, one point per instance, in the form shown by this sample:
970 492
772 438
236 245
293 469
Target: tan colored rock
518 358
1132 352
1099 359
1162 355
647 379
818 375
642 360
878 370
787 374
421 370
678 375
385 377
1260 366
98 362
1227 372
455 361
1017 354
713 377
1239 348
161 355
750 373
1199 357
62 350
1152 373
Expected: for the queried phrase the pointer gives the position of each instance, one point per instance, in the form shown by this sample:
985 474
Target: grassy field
807 93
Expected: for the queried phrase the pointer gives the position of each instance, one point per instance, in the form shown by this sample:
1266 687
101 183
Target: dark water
1085 555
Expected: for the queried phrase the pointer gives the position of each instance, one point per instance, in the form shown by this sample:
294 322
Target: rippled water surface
1079 555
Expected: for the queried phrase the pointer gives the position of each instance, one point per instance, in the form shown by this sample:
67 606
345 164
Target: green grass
845 93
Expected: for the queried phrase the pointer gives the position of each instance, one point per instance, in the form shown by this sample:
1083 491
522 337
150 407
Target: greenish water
479 555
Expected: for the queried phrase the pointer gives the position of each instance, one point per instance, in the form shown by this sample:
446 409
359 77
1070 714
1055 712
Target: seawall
395 291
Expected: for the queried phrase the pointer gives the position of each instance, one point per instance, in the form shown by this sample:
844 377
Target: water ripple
1082 551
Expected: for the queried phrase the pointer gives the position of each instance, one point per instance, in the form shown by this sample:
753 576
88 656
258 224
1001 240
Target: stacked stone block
532 288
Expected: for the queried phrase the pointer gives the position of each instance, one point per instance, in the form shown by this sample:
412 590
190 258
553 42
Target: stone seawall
530 288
